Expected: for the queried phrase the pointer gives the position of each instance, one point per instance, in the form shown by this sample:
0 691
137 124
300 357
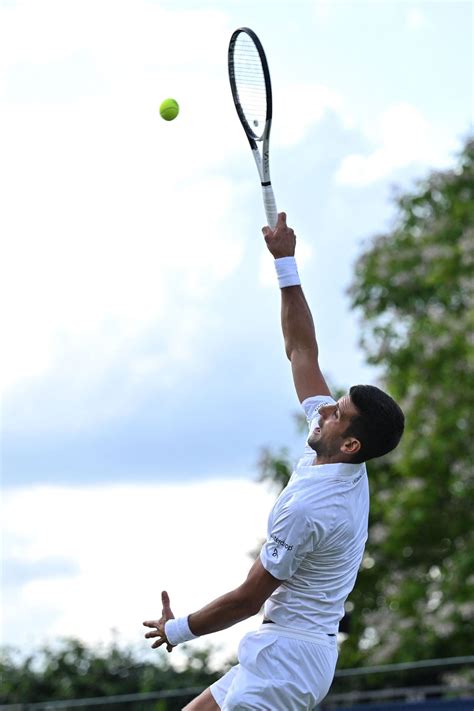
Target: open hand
281 241
159 625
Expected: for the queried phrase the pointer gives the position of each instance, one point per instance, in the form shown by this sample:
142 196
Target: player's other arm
235 606
296 320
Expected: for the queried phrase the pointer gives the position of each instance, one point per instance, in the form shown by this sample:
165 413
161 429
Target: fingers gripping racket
252 93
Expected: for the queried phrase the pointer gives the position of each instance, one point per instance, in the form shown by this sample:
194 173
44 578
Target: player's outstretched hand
159 625
281 241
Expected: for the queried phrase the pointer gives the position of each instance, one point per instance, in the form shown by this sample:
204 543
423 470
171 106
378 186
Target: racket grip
270 205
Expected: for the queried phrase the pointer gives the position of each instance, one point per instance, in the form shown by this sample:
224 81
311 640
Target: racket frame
262 160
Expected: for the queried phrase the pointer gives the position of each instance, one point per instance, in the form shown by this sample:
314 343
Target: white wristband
178 631
287 272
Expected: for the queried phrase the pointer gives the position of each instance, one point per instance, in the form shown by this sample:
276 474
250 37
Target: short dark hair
378 425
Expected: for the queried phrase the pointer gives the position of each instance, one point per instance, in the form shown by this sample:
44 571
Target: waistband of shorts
315 637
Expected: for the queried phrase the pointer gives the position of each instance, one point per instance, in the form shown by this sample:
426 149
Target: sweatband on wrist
287 272
178 631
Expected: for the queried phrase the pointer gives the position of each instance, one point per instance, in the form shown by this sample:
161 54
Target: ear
351 445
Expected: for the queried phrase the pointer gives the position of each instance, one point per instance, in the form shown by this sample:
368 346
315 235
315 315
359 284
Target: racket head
250 83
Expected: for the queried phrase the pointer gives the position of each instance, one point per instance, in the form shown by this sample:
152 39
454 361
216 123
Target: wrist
287 272
177 630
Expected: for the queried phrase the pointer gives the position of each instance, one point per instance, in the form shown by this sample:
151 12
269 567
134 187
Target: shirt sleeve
289 539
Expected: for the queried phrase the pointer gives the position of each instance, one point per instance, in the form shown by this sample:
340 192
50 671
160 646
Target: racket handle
270 205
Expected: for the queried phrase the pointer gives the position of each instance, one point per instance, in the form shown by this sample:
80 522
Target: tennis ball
169 109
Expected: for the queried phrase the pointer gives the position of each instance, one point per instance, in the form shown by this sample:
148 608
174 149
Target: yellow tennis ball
169 109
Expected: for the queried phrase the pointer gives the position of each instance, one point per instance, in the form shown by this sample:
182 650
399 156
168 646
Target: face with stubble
328 439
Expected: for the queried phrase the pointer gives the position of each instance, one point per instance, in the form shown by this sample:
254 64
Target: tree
71 670
414 290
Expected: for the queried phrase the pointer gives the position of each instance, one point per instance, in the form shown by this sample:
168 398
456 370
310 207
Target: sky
142 362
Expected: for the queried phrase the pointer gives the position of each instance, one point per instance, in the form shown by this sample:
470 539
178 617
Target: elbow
307 349
250 607
251 610
254 608
248 604
288 349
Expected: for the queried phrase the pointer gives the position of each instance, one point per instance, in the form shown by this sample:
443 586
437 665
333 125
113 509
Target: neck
338 458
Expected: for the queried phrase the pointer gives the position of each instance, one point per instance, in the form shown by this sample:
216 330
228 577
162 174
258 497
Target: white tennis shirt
316 536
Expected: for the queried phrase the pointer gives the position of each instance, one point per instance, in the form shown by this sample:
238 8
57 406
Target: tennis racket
252 93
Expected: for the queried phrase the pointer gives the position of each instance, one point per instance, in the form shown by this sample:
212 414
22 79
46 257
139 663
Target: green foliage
275 467
71 670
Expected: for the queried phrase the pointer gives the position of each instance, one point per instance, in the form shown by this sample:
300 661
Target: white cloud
130 33
402 136
105 204
126 544
300 105
415 19
322 10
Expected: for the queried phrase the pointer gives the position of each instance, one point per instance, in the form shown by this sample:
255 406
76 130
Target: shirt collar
336 469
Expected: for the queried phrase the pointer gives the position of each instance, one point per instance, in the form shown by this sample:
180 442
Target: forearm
297 322
221 613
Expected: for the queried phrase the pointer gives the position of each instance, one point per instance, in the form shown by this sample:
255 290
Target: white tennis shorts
279 669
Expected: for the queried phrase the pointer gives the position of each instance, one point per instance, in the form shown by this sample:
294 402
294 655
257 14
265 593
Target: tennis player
317 531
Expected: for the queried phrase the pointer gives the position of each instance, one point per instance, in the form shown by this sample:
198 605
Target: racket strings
250 83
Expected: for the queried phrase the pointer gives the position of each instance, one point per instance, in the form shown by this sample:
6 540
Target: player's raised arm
296 320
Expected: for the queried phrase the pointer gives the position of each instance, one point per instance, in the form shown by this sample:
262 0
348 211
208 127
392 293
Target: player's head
364 424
